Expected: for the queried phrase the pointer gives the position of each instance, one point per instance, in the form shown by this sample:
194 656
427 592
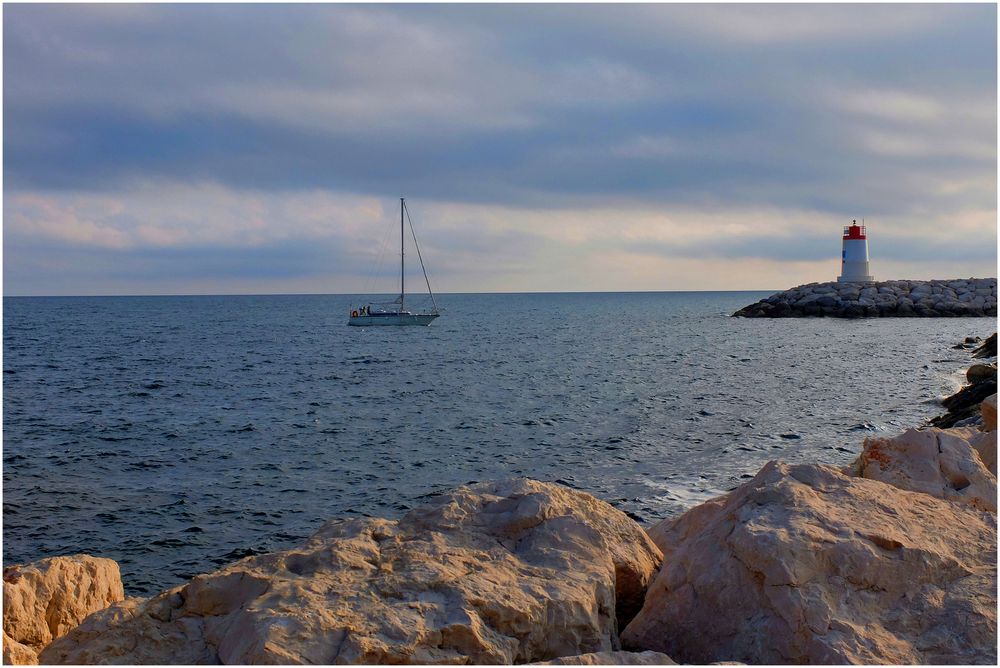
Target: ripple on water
185 444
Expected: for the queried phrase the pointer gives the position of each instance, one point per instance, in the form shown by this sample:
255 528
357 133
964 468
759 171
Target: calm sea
175 434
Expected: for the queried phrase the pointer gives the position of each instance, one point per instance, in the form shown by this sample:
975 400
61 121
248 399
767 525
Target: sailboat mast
402 258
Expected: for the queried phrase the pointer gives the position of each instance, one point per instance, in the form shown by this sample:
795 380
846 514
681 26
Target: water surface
175 434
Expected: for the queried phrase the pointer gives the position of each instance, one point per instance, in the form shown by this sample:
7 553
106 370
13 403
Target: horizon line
365 294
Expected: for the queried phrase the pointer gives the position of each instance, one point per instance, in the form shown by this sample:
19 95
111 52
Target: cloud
769 25
539 132
318 241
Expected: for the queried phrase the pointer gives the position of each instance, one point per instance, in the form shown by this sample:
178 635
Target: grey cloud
877 110
810 245
486 102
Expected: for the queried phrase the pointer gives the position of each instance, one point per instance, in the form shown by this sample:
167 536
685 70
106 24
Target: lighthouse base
854 271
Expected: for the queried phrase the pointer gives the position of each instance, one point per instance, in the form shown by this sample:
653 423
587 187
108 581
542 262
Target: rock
989 347
45 599
16 654
804 564
827 300
984 443
612 659
507 572
965 403
808 299
989 411
938 462
980 372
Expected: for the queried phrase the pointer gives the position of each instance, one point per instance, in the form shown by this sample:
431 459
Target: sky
228 149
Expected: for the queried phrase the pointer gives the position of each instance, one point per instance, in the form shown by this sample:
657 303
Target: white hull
394 320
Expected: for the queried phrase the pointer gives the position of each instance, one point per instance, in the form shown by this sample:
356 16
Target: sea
177 434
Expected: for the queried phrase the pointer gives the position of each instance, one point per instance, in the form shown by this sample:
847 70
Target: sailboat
376 314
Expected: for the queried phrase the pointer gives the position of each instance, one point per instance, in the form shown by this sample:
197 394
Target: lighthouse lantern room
854 259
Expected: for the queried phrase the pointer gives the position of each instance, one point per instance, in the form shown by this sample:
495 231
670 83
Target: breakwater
969 297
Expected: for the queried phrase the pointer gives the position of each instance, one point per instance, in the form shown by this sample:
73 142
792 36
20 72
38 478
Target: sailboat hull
392 320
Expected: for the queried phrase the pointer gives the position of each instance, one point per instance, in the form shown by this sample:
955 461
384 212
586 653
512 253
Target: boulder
16 654
989 347
984 443
804 564
507 572
612 659
45 599
989 412
980 372
965 403
808 299
939 462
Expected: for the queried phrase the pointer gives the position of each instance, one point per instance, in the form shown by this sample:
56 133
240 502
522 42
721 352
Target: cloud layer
232 148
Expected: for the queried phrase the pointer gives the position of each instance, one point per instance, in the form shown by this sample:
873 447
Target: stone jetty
976 297
890 560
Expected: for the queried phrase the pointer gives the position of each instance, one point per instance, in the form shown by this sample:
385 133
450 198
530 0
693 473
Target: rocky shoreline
963 406
889 560
971 297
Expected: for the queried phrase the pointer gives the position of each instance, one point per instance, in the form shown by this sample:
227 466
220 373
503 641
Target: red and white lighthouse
854 259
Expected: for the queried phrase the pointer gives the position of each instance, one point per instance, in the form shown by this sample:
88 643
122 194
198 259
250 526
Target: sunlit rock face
945 463
883 299
507 572
805 564
47 598
989 412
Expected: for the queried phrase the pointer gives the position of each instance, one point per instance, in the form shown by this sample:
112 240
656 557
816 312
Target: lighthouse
854 259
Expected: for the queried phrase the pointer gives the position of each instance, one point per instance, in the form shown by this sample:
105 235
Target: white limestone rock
989 411
804 564
45 599
939 462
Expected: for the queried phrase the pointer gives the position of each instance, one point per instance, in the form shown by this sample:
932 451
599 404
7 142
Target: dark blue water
174 434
